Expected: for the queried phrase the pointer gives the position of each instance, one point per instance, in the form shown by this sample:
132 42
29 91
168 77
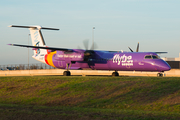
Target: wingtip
11 44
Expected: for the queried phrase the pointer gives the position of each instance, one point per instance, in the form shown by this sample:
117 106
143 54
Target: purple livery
78 59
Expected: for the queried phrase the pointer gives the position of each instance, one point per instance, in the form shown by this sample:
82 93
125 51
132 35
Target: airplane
79 59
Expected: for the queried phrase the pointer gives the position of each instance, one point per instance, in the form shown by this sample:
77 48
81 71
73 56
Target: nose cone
164 66
167 67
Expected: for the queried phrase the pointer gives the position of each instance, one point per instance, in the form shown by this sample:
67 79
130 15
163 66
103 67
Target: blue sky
155 24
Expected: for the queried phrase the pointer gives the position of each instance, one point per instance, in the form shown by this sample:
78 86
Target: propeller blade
137 50
88 52
86 44
94 46
130 49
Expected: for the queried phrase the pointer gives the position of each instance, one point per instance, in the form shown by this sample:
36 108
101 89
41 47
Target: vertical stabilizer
37 40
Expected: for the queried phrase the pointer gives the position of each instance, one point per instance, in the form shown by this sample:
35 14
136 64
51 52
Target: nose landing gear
160 74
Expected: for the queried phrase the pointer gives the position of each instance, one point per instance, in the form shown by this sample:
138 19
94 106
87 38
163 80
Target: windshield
151 57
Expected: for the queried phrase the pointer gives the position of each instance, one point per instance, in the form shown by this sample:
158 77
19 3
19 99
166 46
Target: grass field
90 97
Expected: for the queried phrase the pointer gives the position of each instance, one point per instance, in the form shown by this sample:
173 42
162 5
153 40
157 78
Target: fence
25 66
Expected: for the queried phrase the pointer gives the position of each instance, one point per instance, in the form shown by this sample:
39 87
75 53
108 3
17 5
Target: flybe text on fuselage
123 60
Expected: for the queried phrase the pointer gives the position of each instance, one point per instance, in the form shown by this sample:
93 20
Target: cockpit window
151 57
155 57
148 57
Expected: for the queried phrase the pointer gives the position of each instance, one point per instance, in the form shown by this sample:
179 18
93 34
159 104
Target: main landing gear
115 73
160 75
67 72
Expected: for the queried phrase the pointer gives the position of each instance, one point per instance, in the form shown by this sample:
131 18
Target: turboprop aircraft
79 59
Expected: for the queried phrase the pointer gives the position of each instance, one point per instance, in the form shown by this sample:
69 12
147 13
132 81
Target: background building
173 62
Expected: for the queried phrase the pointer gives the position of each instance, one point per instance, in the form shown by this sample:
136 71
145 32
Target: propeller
137 49
86 45
88 52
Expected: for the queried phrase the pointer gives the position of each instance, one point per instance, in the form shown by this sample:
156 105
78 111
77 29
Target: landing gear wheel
159 75
115 74
67 73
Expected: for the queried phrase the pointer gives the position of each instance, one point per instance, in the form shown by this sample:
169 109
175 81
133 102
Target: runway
171 73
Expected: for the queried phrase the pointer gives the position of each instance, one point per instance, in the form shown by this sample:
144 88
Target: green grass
103 97
56 113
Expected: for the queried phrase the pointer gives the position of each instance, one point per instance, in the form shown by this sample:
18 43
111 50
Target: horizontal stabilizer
39 47
35 27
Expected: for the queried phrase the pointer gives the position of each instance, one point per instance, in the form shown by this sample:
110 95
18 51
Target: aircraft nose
165 66
162 65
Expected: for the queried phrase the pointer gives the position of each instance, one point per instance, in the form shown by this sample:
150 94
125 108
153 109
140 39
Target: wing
161 52
62 49
39 47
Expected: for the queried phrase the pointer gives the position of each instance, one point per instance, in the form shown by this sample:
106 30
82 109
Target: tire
160 75
115 74
67 73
